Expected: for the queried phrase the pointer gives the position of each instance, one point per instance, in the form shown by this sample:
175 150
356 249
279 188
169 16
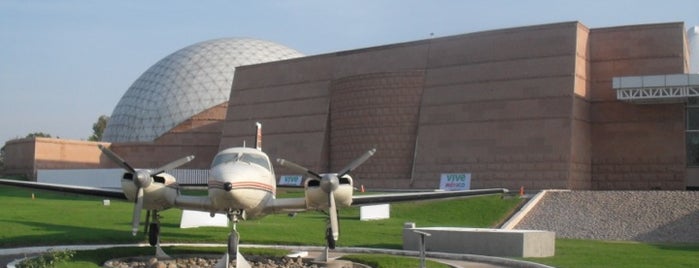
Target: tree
98 128
38 135
2 158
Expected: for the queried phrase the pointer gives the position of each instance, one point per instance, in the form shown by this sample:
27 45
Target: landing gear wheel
153 233
233 240
329 238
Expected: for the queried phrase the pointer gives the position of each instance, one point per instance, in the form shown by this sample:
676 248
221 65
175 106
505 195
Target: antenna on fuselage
258 137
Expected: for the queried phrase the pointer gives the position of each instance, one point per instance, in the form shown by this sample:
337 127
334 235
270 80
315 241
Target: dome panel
184 84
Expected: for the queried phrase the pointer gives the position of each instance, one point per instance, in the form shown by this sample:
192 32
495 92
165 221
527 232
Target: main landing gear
153 231
324 256
329 237
329 233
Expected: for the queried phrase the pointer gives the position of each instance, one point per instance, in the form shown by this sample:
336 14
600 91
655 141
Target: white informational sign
191 219
291 180
374 212
455 181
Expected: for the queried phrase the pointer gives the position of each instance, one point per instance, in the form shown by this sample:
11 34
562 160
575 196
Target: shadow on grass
57 234
688 247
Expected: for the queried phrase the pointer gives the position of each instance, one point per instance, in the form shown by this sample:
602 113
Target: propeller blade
356 163
138 206
174 164
297 167
116 159
333 216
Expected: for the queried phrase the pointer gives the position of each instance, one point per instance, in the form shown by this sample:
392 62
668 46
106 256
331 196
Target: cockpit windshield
242 157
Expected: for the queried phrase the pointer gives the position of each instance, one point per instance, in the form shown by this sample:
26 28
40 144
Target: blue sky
65 63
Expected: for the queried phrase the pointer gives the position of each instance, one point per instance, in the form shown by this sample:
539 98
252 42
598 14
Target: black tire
153 233
329 238
233 244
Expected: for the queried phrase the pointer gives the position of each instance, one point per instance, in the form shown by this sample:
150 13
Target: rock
158 265
198 262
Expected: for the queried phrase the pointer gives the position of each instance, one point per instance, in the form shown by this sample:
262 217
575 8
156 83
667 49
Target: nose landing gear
233 243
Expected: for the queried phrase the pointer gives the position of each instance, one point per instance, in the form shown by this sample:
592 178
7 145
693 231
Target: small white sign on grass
191 219
375 212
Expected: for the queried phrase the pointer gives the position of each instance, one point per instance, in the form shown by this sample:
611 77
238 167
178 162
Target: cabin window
242 157
255 159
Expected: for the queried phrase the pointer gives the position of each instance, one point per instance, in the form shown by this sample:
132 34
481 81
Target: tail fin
258 138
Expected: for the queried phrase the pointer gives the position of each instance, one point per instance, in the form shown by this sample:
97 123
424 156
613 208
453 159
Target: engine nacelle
316 198
159 195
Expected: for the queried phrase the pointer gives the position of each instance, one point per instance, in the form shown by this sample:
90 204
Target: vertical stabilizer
693 36
258 137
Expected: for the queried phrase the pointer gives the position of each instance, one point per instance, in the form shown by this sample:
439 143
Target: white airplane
242 185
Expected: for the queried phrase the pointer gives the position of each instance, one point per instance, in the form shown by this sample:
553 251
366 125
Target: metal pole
423 248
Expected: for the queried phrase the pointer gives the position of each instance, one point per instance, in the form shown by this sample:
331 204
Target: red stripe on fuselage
243 185
253 185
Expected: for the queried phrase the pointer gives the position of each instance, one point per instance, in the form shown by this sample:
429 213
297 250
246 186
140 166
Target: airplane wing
93 191
281 205
415 196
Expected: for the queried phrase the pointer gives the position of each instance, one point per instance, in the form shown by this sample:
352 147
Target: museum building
546 106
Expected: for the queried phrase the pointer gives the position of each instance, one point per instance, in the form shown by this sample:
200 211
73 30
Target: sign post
423 248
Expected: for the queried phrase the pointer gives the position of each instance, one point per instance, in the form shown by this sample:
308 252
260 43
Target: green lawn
589 253
55 218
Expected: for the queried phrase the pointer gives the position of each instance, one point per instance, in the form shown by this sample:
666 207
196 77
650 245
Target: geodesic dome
184 84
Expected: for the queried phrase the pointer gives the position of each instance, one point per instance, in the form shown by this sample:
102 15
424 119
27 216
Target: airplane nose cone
227 186
329 183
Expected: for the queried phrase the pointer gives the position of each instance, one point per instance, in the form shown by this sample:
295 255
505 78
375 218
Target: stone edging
437 255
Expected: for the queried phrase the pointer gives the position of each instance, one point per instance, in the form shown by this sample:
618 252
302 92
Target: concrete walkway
10 257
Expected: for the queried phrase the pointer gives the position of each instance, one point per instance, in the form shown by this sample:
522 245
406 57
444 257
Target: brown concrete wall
26 156
19 157
509 93
66 154
498 104
581 142
530 106
373 105
154 155
291 100
636 146
376 110
199 136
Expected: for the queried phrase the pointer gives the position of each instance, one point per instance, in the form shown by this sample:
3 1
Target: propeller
329 183
141 179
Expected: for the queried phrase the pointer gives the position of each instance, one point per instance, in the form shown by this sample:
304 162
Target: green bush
49 259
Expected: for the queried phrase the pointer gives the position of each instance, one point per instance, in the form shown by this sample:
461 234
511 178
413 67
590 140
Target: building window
692 133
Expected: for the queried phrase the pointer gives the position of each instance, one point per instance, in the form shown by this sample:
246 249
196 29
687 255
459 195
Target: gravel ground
647 216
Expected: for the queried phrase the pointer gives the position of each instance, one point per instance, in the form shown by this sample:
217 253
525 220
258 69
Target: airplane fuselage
241 179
